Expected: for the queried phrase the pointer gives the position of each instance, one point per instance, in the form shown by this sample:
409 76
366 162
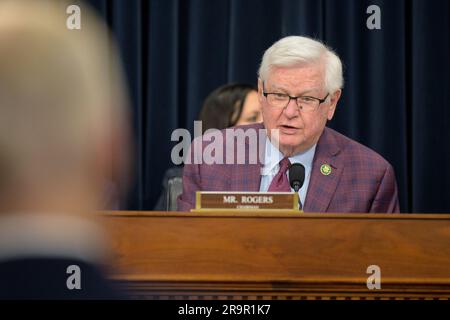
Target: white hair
61 91
295 50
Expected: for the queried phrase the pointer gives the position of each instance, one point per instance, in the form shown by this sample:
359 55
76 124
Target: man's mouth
287 129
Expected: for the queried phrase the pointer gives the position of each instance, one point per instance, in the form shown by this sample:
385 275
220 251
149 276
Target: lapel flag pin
325 169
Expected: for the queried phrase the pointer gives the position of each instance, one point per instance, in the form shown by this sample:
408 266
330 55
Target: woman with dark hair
227 106
230 105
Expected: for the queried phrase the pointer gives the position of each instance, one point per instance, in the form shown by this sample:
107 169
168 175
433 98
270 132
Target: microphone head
296 176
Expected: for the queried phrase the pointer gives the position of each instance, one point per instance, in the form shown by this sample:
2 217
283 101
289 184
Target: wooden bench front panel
160 255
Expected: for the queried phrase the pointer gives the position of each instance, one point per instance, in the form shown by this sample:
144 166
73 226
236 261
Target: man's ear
111 166
334 98
260 91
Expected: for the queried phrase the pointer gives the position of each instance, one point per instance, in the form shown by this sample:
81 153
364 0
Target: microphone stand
296 188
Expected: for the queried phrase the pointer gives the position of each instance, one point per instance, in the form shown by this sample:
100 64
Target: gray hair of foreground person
63 109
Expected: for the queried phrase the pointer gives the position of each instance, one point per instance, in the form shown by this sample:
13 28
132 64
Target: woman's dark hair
223 107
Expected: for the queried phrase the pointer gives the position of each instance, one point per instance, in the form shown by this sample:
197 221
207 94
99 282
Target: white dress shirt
272 157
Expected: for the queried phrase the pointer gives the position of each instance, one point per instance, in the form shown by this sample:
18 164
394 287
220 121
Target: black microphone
296 176
296 179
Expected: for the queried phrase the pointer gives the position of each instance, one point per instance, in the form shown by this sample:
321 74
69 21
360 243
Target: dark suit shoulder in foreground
46 278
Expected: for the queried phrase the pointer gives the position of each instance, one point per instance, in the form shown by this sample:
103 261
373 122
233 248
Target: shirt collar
272 157
25 235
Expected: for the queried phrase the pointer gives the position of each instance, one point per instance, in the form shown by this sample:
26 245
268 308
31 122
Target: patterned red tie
280 182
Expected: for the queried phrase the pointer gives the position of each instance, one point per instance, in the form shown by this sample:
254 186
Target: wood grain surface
161 255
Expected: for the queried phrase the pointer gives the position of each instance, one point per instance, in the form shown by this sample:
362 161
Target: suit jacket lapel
247 177
322 187
254 177
254 170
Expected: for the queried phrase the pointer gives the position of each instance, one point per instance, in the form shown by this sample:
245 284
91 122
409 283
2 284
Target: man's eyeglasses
305 103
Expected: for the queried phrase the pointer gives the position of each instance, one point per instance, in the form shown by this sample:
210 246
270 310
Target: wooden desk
161 255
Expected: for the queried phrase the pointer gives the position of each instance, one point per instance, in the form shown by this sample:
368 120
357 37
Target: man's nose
291 110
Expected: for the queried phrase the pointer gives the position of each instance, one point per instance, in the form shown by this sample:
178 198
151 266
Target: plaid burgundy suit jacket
360 180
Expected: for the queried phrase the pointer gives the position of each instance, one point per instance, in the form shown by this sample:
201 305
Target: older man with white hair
299 85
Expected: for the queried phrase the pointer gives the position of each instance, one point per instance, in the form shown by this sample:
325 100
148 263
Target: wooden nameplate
210 201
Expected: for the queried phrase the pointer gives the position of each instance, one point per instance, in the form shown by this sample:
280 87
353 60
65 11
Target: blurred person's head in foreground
231 105
62 109
63 136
